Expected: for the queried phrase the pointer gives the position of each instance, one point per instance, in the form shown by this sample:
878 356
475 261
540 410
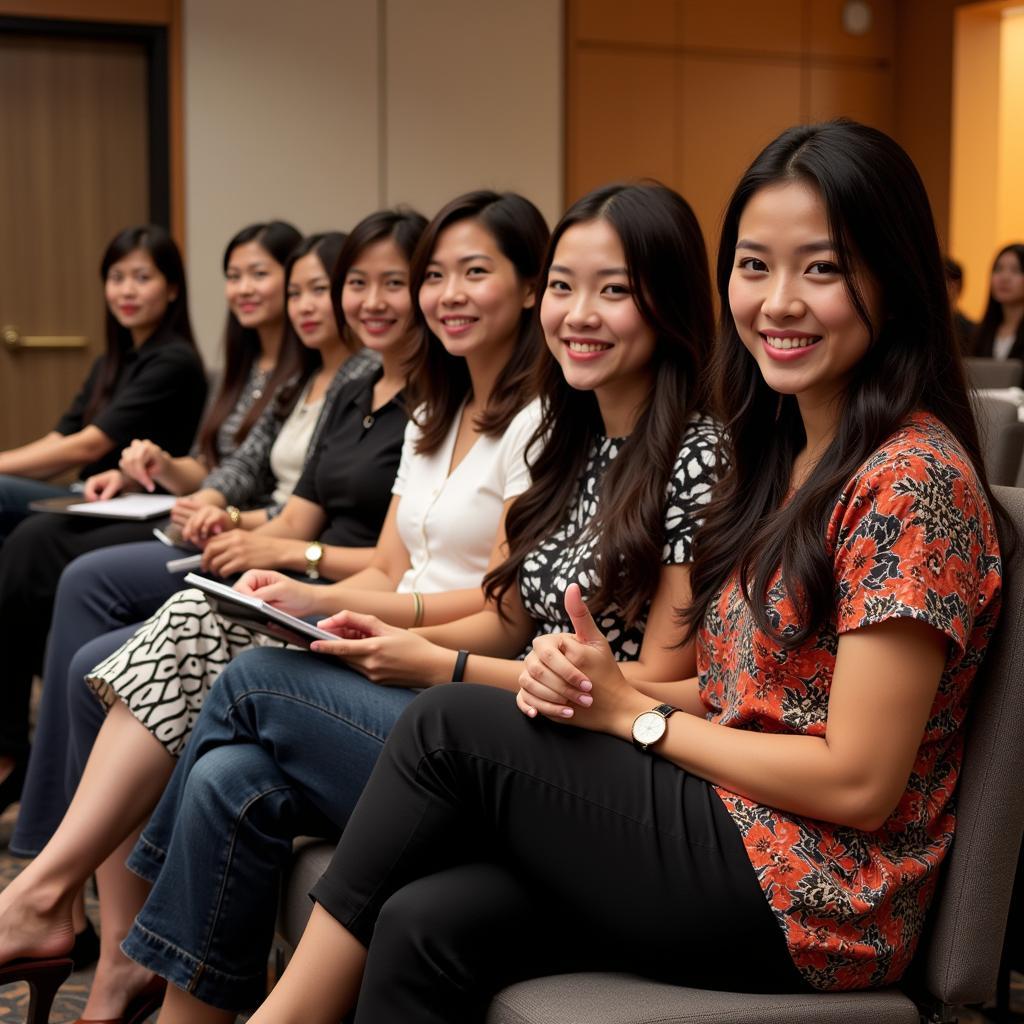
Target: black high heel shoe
44 977
86 950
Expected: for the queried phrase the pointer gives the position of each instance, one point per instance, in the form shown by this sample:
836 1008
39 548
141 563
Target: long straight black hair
176 322
668 273
439 382
242 346
985 336
326 246
881 226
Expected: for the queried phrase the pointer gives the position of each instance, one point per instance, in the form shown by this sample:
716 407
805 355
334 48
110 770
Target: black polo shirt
159 394
353 467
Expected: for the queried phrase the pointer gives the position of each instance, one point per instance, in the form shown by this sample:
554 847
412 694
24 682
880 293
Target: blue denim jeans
15 494
101 597
282 748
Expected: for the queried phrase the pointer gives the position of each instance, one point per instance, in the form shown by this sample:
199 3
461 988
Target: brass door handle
14 340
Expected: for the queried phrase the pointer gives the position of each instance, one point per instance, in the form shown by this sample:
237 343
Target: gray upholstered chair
958 959
994 373
1002 438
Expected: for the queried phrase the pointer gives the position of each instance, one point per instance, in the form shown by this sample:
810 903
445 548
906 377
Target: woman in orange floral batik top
844 588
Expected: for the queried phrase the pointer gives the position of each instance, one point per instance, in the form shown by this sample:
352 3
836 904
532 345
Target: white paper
128 506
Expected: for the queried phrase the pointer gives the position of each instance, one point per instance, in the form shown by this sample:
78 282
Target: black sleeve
161 398
72 420
351 390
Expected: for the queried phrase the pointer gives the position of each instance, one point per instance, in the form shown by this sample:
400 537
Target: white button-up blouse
448 522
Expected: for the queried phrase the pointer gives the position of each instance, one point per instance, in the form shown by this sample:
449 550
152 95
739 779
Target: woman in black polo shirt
148 383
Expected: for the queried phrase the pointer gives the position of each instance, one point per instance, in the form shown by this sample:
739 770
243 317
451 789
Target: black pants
31 561
488 848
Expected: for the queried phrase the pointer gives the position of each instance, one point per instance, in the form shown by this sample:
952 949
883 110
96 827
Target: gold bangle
235 516
417 609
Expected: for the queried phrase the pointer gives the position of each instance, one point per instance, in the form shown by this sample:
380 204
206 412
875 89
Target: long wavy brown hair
668 272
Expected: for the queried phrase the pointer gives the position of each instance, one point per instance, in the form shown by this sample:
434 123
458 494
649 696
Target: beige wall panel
280 121
862 93
622 121
474 99
652 22
827 35
717 141
749 25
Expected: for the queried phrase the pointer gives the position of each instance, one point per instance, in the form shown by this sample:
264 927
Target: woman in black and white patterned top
569 555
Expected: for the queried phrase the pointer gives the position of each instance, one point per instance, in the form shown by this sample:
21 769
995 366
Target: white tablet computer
257 614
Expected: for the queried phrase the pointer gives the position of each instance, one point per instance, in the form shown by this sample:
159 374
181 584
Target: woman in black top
1000 334
148 382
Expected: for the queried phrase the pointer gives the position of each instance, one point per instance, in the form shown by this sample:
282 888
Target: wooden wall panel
863 93
711 160
827 37
622 116
692 109
748 25
652 22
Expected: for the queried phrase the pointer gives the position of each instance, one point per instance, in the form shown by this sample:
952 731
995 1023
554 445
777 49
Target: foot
117 982
34 922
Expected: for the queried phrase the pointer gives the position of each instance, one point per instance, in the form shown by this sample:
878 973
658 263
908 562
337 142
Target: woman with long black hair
776 822
1000 334
148 381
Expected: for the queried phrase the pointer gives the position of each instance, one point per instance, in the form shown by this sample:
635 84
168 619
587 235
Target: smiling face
1008 279
309 303
137 294
254 286
471 295
789 299
375 297
591 321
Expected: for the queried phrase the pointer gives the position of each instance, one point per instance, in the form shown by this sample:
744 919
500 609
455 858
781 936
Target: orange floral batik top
912 535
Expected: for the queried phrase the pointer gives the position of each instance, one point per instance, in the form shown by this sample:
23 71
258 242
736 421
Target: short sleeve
695 473
412 435
911 543
152 390
514 443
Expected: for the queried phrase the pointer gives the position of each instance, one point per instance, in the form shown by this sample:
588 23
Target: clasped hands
573 677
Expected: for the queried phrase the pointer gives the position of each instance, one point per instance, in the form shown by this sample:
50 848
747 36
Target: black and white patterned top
569 554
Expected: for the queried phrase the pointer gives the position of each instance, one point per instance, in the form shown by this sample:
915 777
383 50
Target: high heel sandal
44 977
138 1009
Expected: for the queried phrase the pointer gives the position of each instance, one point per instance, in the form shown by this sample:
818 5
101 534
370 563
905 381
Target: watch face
313 552
649 728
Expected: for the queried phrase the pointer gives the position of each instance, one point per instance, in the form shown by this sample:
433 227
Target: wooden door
74 170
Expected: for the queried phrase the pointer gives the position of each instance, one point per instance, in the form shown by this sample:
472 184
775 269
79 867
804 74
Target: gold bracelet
417 609
235 516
